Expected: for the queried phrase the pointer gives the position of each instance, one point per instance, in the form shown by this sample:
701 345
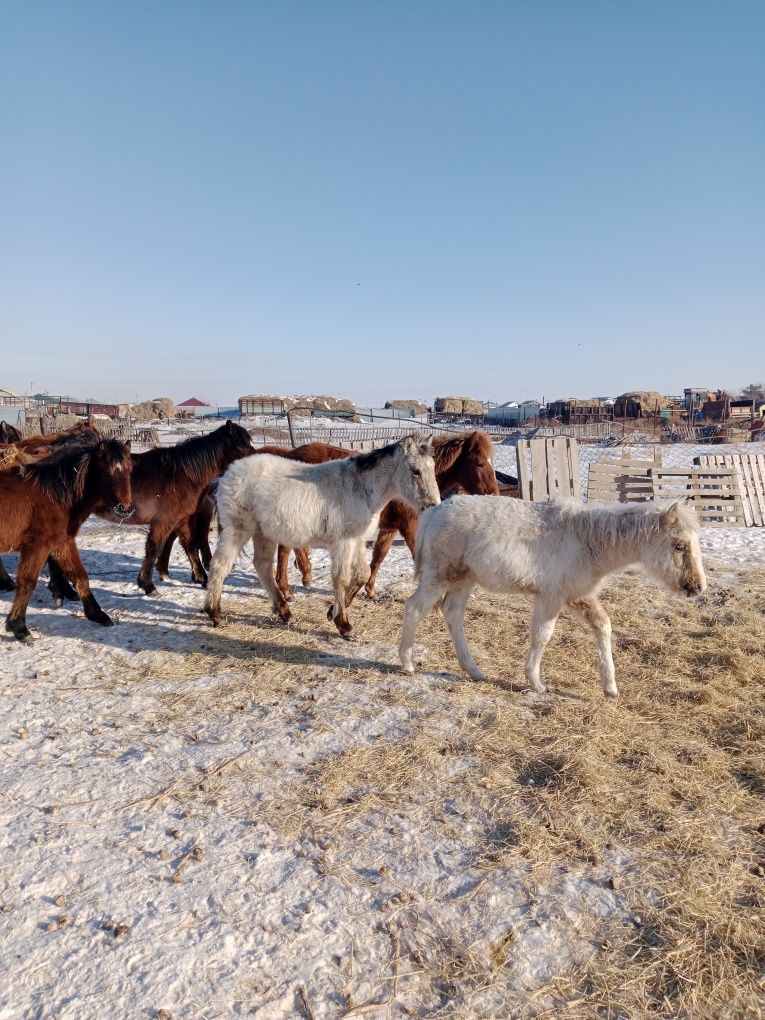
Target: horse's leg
158 533
6 581
185 532
429 593
384 541
453 608
201 527
263 561
594 615
360 572
282 572
163 560
68 558
30 565
58 584
231 543
543 621
342 566
303 563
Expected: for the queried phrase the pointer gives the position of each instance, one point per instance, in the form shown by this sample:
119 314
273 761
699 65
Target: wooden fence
554 468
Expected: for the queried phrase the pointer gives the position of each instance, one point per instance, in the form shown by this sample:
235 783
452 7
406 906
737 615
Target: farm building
13 405
726 408
580 411
49 404
513 413
193 407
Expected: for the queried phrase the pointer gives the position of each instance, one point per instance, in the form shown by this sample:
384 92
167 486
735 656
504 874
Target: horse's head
473 469
416 473
109 469
237 440
674 556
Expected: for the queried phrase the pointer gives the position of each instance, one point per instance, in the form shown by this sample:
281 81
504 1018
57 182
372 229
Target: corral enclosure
266 821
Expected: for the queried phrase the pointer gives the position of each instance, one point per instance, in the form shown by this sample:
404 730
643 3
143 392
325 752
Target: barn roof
193 402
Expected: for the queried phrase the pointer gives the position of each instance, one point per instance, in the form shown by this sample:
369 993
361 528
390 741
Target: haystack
458 405
415 406
149 410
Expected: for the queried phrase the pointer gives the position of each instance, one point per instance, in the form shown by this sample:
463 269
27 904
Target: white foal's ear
425 446
671 514
408 444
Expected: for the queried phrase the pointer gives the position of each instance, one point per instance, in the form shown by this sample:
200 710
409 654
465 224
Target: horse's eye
679 547
416 471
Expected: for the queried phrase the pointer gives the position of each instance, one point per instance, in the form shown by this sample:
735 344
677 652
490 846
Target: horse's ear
408 444
127 447
671 514
101 448
425 446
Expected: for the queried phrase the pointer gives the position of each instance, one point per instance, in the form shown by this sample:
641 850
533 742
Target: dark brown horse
8 433
29 451
167 485
42 507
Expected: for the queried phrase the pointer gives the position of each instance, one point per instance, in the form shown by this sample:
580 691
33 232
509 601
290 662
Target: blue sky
379 200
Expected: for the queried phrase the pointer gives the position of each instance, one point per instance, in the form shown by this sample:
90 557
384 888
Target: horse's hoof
347 635
7 585
370 593
153 593
104 621
611 695
284 614
58 601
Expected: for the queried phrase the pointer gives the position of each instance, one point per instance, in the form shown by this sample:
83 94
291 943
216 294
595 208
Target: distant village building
642 404
193 407
724 409
513 413
580 411
50 405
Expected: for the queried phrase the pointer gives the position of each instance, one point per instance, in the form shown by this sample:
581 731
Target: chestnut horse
29 451
42 507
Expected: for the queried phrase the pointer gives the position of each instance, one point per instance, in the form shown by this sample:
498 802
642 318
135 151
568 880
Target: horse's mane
63 474
625 521
446 449
197 457
368 461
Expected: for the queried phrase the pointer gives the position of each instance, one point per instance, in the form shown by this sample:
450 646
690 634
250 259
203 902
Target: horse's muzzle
693 589
124 511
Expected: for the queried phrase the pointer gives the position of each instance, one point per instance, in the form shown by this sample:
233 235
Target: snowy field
156 851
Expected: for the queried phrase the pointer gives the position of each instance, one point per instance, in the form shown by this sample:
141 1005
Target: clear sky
381 199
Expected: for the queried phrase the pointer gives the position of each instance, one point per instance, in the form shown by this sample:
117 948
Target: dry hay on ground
658 797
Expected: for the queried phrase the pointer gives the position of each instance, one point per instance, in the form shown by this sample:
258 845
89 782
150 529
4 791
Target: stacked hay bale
264 404
415 406
150 410
458 405
641 404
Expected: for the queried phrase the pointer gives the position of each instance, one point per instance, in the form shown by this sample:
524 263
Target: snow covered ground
154 773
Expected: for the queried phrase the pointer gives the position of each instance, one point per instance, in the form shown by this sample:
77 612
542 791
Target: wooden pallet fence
751 474
620 482
715 493
554 468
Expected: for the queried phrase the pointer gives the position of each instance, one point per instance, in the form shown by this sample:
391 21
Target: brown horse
42 507
30 451
167 485
463 462
9 433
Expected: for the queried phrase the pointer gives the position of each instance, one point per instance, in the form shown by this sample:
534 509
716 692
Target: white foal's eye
416 471
679 547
